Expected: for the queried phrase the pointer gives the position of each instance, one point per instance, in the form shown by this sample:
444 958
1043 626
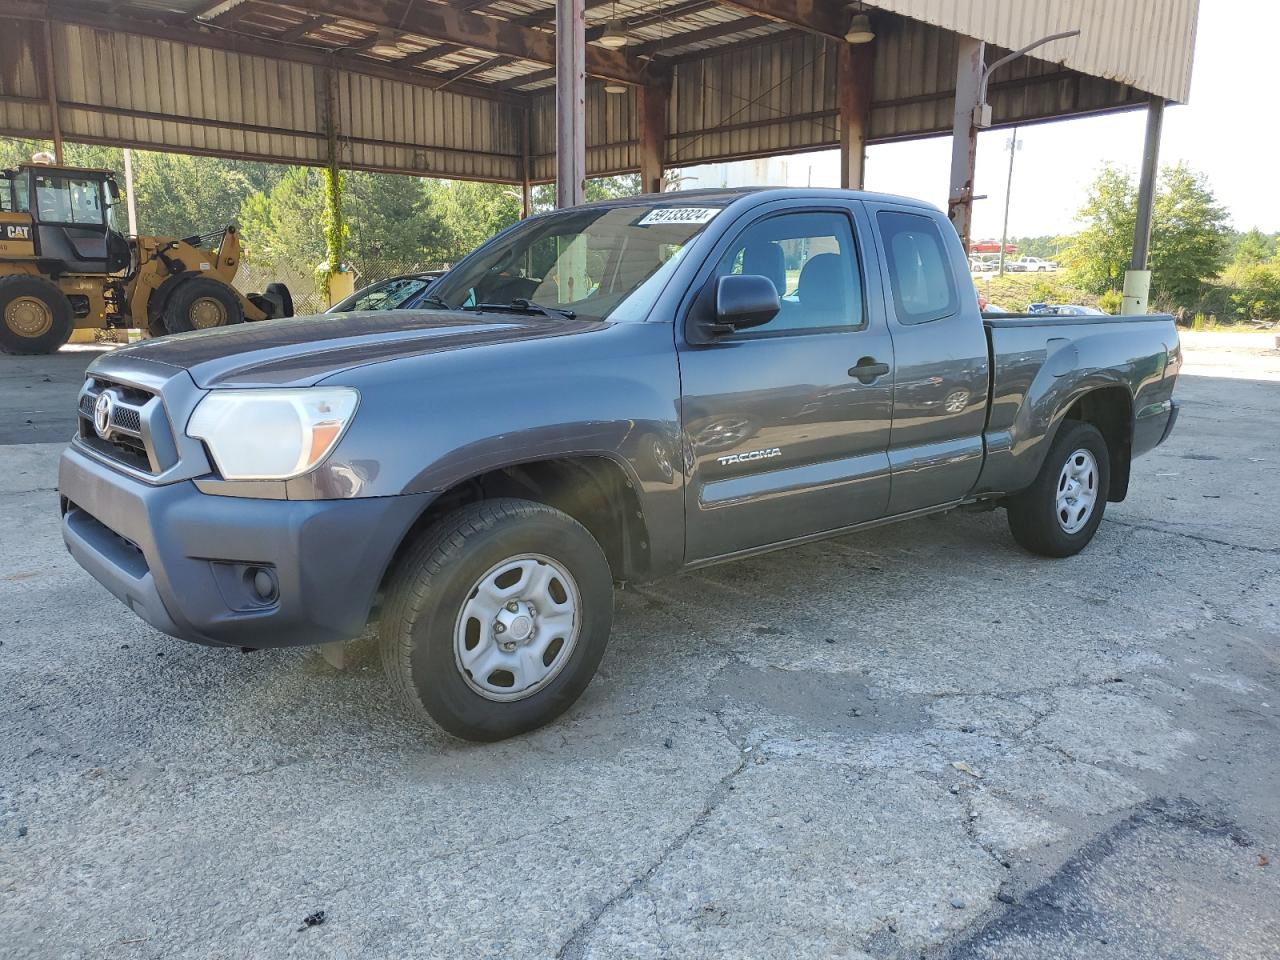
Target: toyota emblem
102 411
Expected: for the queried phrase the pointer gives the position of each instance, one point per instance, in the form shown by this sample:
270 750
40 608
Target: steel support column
526 174
853 96
651 108
964 136
51 88
571 102
1137 279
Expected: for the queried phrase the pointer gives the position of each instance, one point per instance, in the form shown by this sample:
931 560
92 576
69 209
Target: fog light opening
263 583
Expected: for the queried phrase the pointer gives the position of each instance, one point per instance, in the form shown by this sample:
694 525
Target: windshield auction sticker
678 215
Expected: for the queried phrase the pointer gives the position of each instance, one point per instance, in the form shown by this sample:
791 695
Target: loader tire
201 304
35 316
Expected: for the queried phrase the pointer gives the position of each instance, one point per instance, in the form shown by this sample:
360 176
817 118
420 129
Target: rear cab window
920 275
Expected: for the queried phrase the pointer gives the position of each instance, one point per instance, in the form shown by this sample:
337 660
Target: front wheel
35 316
497 618
1060 512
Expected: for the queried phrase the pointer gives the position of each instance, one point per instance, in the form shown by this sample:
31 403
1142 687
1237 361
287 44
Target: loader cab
71 218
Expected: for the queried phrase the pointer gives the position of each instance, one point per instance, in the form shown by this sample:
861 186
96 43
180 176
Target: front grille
126 441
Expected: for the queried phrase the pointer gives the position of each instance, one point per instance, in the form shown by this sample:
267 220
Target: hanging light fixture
614 36
860 30
615 31
614 87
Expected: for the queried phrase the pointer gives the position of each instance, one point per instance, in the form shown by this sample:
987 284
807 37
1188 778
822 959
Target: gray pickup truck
607 393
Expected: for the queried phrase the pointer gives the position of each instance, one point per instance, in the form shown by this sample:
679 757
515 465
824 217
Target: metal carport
469 89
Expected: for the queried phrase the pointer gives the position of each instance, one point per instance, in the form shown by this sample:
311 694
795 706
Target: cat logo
14 232
768 454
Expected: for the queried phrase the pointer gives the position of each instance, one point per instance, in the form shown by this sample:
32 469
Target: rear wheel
35 316
1060 512
201 304
497 618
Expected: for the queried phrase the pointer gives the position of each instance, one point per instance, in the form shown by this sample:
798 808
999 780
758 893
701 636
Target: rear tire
201 304
35 316
450 618
1060 512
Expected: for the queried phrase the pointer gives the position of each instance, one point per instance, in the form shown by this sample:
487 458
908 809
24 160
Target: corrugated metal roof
1146 44
743 84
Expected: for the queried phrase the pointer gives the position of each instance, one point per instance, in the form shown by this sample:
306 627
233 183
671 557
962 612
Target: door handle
867 370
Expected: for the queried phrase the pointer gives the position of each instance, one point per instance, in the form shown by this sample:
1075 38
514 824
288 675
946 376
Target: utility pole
1013 145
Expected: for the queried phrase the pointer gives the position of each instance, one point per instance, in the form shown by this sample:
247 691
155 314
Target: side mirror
113 189
738 302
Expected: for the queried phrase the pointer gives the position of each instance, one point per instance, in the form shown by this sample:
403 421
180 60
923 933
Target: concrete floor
919 742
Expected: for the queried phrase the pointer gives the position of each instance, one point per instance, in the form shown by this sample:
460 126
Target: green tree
1252 247
1097 257
466 214
180 194
1189 234
284 224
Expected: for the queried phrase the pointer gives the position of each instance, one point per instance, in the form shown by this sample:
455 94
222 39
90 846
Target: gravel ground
915 742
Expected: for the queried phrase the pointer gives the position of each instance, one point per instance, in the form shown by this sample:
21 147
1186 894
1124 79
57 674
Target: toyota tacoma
600 394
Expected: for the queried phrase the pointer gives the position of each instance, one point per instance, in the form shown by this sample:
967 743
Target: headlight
271 434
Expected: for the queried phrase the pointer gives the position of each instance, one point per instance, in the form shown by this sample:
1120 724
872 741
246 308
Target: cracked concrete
915 742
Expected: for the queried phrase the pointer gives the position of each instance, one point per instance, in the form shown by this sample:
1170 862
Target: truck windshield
588 262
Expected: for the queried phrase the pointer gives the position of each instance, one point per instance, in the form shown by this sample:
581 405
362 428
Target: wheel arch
1109 408
596 489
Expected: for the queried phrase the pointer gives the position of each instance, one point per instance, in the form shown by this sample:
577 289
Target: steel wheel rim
1077 491
207 312
28 317
517 628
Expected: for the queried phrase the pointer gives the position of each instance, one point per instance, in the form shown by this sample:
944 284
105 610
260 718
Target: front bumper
185 561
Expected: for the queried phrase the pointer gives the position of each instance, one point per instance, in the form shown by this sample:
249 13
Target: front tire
497 618
1060 512
201 304
35 316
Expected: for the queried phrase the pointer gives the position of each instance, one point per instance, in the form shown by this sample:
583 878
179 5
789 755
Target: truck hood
300 351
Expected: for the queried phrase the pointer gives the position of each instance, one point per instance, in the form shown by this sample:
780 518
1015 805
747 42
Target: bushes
1014 291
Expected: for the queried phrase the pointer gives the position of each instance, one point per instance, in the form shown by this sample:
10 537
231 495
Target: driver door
787 425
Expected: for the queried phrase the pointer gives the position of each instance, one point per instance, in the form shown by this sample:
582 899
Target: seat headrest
764 258
823 285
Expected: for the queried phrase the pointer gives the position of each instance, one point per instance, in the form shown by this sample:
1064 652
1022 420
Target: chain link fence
308 296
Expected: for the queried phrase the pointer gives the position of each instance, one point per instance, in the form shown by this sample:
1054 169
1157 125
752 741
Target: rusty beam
853 96
651 108
238 42
482 66
305 27
51 89
478 32
713 32
825 18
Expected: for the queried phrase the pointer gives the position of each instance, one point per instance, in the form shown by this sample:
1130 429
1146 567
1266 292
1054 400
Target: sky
1227 130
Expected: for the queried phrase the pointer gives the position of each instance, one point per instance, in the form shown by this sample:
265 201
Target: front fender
428 423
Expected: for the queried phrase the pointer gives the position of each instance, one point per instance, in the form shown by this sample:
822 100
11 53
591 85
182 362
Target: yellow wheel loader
63 266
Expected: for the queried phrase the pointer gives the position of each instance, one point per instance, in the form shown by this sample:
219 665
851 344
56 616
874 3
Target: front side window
919 268
61 199
810 259
595 262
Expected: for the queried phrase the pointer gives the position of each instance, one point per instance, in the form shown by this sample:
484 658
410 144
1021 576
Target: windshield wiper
523 305
435 301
